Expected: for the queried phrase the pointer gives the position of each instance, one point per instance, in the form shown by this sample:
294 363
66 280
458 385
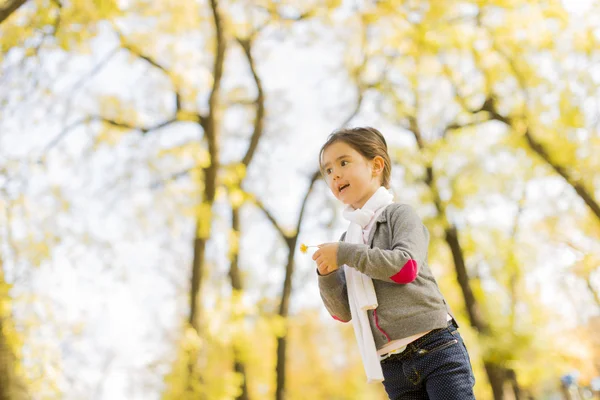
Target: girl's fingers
323 269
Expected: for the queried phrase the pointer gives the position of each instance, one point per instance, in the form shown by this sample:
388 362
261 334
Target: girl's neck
367 199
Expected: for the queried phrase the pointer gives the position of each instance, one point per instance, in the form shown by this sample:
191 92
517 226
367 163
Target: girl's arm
334 293
400 264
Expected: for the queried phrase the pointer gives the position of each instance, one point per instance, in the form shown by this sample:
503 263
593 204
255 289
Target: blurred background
158 173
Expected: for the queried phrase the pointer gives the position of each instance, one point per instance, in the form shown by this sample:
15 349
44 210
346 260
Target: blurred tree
428 49
234 186
210 173
12 384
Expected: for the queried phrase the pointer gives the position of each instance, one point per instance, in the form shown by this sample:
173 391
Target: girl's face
351 177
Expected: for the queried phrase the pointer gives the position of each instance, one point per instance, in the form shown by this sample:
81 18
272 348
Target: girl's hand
326 258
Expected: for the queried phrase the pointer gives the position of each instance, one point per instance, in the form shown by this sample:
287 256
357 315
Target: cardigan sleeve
334 293
399 264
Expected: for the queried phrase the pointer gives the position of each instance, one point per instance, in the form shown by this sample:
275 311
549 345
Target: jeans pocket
437 347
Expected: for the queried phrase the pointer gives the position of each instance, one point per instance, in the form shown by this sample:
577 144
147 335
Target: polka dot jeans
433 367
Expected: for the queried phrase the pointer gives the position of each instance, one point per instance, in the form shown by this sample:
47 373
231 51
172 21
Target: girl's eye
328 171
344 163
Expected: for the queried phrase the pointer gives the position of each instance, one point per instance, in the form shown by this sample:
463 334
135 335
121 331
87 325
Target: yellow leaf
236 197
203 158
183 115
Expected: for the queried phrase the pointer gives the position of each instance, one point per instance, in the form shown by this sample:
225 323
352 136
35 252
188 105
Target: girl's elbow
407 273
340 319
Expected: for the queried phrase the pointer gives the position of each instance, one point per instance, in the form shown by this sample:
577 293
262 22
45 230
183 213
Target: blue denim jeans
434 367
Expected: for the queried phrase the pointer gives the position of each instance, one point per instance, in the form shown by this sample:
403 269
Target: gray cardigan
410 301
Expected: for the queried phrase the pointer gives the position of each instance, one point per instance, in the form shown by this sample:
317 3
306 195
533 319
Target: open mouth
343 187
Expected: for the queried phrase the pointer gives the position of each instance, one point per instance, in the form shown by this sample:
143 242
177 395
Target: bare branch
135 51
286 237
144 130
457 126
10 7
356 110
97 68
314 177
109 121
161 182
213 98
271 218
54 29
586 195
260 104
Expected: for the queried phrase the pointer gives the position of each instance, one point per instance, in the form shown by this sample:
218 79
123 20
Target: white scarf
361 293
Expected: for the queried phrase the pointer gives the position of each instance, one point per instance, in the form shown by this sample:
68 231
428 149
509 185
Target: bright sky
577 7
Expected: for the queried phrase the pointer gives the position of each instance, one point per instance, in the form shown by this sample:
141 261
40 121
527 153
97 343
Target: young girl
378 277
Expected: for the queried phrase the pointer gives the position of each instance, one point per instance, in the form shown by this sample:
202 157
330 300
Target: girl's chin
346 202
343 198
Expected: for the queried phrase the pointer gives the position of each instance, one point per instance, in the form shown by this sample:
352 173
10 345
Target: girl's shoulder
399 212
398 208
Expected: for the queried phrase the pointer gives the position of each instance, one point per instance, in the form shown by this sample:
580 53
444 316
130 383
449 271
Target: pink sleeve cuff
407 273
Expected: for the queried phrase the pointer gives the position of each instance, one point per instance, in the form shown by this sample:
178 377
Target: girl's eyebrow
337 159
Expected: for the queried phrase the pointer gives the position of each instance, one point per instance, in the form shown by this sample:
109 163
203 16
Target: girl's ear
378 164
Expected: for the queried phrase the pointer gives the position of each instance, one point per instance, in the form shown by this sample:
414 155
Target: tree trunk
496 374
6 366
236 285
473 308
209 125
287 290
234 268
512 377
12 386
283 313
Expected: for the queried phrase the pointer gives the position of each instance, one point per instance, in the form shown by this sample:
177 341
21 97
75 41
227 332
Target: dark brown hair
369 142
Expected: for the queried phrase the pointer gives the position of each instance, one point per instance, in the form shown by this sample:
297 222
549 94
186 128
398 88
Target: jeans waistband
414 346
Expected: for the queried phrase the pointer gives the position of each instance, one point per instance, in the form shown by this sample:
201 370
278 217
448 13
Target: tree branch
10 7
270 217
314 177
489 105
457 126
133 50
97 68
460 99
144 130
109 121
209 125
213 97
260 103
